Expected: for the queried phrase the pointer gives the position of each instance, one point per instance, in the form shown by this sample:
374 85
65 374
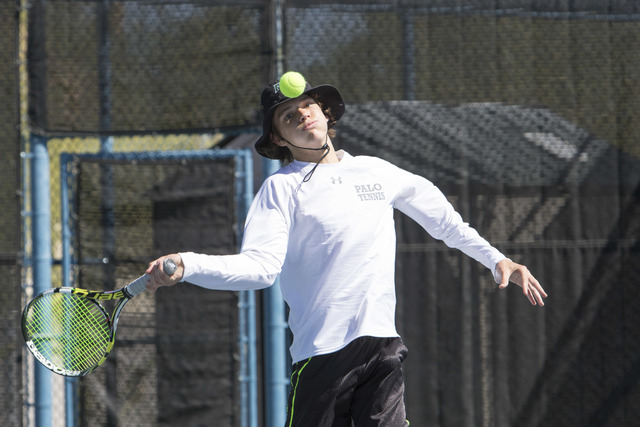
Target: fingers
532 289
152 284
531 297
150 268
536 291
520 275
158 277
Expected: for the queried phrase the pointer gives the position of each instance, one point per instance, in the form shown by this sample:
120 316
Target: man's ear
276 139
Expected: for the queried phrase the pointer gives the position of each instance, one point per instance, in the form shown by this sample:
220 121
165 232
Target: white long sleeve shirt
332 241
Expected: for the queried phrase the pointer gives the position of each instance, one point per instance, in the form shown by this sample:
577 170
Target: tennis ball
292 84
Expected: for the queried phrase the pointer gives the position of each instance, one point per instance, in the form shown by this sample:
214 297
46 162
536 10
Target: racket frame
123 295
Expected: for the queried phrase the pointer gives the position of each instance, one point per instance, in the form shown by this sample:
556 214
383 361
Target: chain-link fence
11 392
525 113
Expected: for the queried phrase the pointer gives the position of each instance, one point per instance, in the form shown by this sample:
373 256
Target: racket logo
98 295
50 365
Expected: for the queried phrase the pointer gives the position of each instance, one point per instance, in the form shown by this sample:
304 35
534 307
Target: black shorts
362 383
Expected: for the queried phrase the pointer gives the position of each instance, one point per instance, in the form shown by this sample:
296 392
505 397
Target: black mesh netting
549 195
131 66
10 237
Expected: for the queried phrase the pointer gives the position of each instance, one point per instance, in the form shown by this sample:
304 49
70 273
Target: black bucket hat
327 95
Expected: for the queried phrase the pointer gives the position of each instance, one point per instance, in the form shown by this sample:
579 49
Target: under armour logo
336 180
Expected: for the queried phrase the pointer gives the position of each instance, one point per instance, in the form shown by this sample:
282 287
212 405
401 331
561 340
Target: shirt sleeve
261 257
423 202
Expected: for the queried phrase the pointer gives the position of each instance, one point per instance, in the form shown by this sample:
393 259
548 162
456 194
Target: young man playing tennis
324 223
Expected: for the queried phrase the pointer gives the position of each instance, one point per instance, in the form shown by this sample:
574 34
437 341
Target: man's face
301 122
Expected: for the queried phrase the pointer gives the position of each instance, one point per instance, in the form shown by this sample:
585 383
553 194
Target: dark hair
283 153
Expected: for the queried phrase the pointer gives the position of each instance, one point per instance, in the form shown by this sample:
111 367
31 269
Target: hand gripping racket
70 332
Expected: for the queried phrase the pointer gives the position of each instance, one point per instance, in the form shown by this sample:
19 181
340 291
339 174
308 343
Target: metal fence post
42 259
275 343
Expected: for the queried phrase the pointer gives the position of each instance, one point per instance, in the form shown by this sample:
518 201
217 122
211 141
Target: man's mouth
309 125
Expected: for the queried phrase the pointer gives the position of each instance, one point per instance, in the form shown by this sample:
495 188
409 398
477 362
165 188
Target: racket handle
140 284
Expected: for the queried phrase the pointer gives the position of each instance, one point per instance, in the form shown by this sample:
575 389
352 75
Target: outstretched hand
521 276
159 278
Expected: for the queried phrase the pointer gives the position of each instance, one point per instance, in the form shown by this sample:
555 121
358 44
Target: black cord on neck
324 147
310 174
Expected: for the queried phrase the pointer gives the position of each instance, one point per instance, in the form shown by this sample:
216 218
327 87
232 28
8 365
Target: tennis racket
70 332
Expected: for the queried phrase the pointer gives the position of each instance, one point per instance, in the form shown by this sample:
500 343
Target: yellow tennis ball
292 84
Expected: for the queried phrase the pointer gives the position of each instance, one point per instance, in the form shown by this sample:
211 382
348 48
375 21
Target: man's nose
304 113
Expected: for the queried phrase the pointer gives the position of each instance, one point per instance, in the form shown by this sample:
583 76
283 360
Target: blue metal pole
42 260
253 369
276 380
243 344
249 369
275 328
253 360
70 384
65 160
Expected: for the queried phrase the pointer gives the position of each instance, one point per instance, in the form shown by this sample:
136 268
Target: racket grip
140 284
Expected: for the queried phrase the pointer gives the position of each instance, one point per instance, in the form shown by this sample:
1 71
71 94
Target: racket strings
69 331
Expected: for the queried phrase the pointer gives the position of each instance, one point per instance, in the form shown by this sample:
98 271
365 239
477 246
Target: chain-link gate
119 211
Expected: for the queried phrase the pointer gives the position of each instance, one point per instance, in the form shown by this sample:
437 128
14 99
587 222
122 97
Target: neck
324 153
